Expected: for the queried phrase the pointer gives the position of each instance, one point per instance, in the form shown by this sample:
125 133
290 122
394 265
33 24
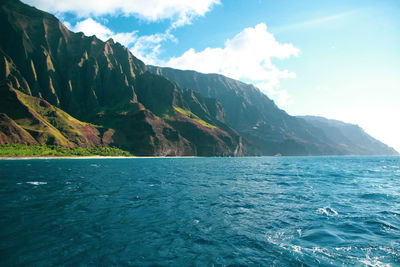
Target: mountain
257 118
349 137
67 89
104 84
30 120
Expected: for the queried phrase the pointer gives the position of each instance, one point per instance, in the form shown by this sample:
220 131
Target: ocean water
282 211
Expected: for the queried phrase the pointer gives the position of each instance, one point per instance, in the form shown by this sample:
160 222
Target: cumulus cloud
91 27
149 47
179 11
247 57
146 47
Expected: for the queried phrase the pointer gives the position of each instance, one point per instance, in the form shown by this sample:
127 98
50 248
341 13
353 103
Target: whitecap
296 248
390 250
327 211
36 183
374 261
349 248
277 239
299 232
323 251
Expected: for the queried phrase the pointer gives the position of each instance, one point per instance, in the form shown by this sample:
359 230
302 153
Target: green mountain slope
100 82
30 120
200 120
257 118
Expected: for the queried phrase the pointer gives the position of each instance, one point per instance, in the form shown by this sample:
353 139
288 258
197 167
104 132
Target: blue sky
335 58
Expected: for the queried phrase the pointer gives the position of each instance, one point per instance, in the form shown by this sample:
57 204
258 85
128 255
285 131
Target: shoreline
92 157
172 157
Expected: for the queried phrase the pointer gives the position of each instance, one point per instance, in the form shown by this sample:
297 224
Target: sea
251 211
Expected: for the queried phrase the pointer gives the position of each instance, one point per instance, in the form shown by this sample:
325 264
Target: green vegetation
167 116
20 150
46 121
193 117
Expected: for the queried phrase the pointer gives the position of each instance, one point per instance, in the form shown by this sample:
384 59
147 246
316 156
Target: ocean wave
378 196
152 214
36 183
327 211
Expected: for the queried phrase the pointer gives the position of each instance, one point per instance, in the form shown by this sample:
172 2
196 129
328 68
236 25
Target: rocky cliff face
253 114
79 74
200 120
99 82
351 138
257 118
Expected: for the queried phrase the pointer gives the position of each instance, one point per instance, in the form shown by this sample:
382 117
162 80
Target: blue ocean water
201 211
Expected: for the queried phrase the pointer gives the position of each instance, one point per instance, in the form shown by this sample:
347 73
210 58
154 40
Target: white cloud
247 57
272 90
179 11
91 27
146 47
125 38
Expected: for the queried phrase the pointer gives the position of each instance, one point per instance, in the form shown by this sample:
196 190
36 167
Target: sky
335 58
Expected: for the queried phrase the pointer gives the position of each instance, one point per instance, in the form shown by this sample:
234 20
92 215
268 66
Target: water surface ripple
201 211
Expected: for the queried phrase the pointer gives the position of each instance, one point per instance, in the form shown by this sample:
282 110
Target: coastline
92 157
167 157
